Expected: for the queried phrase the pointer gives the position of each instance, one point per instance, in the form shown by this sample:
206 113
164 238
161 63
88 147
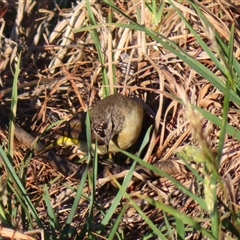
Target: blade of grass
125 185
168 226
97 43
141 213
182 217
180 229
117 223
199 200
92 176
226 99
14 106
20 190
68 232
54 224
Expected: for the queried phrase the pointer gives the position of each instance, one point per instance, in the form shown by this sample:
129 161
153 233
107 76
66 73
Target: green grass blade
68 231
158 171
52 217
182 217
19 189
14 106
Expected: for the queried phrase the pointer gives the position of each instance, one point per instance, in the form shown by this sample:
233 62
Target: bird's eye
100 130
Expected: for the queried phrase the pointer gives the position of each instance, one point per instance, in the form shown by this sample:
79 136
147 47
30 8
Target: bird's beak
107 141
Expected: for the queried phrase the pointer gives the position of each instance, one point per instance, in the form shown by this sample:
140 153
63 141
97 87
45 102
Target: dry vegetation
63 73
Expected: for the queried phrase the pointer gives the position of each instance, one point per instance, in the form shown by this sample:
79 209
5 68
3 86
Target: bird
116 123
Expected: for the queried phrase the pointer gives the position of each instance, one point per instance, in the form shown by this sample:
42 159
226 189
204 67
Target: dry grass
51 49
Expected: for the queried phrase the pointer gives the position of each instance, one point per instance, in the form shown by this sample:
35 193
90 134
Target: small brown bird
116 122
